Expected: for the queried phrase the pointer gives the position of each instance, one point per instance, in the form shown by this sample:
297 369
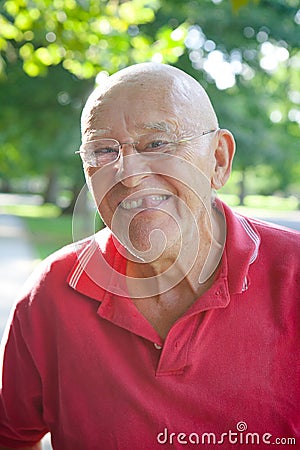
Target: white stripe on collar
256 240
82 262
252 234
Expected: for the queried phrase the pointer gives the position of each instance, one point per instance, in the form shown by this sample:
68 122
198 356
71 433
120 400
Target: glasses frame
134 144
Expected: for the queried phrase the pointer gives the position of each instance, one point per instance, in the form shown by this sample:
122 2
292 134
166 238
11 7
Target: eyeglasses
100 152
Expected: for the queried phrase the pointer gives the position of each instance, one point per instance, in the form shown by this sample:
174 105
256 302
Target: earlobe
224 153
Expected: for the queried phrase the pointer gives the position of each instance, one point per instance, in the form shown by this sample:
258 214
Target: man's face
137 195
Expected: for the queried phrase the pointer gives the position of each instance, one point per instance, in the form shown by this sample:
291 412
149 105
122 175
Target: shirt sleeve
21 412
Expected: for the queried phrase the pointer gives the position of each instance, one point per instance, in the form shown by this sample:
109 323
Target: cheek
201 158
104 205
105 211
100 187
90 171
192 185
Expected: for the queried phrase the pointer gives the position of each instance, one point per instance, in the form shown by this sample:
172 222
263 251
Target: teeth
158 198
131 204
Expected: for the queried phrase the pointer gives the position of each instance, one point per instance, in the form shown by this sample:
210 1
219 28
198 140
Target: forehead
138 104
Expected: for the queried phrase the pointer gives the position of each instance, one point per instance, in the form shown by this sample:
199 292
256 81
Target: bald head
160 81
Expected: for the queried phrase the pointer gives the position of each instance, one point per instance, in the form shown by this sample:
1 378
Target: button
157 346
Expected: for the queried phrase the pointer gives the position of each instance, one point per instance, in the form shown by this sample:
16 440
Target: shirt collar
100 268
242 249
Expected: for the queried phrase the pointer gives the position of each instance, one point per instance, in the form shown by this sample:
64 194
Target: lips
149 201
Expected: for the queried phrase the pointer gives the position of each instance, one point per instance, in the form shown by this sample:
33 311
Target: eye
156 145
105 150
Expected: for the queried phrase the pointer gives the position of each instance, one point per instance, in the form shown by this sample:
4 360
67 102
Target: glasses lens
100 152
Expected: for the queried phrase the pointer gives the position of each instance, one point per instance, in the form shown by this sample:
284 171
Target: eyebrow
159 126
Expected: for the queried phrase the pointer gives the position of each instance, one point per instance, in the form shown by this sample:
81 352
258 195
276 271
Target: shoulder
51 275
279 250
47 299
267 238
279 237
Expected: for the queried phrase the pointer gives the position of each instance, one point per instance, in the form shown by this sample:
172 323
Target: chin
150 242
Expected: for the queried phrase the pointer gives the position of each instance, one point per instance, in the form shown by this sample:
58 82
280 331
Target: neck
192 269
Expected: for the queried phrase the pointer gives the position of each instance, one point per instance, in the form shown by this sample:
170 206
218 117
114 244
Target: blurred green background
245 53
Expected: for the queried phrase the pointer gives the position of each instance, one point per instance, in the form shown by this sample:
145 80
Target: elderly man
176 325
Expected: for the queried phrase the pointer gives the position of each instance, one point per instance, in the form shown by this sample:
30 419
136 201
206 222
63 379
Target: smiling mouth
149 201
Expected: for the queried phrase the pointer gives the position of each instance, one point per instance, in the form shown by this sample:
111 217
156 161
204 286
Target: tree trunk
51 191
5 186
75 193
242 186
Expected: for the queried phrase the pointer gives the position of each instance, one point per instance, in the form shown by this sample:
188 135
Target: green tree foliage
40 124
50 54
249 62
246 54
86 36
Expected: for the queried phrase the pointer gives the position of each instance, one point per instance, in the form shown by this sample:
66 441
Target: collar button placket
174 355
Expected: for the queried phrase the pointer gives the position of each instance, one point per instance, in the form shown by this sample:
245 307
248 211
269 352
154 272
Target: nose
132 166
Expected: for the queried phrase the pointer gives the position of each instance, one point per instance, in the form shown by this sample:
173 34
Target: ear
223 155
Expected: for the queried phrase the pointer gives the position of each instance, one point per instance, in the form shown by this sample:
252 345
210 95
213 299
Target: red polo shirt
86 365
